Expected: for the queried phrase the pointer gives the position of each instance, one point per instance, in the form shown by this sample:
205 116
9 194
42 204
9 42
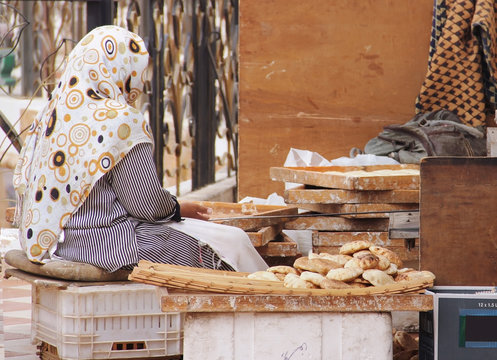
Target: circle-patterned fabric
86 127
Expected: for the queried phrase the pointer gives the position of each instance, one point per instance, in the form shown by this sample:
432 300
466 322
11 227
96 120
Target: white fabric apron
230 243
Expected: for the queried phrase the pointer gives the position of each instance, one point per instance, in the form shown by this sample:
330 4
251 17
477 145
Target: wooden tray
265 235
340 196
188 278
378 177
283 246
337 223
359 210
225 211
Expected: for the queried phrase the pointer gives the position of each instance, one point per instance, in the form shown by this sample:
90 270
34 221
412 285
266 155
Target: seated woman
86 182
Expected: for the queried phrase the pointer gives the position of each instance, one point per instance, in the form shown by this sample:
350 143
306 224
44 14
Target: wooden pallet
358 211
337 223
310 195
379 177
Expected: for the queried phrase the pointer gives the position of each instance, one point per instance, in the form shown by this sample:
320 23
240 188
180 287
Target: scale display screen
477 328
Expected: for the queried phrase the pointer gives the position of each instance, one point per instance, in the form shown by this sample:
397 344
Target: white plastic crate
106 322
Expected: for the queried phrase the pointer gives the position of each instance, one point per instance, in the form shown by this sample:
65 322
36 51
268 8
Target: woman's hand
195 211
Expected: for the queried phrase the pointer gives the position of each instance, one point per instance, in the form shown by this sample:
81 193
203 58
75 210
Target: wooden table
289 327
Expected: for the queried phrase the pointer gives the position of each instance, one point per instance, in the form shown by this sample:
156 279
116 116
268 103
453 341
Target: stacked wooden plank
264 232
355 203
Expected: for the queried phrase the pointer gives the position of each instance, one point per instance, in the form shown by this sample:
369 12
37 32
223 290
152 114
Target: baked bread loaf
415 276
338 258
352 263
296 282
263 275
361 253
389 254
344 274
392 270
368 261
321 266
354 246
377 277
383 262
354 284
282 269
323 282
405 341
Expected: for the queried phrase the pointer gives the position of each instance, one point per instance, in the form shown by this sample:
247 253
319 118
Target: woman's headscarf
86 127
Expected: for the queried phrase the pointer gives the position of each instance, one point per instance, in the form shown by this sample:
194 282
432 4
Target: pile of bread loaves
358 264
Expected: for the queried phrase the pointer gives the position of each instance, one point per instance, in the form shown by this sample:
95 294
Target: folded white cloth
230 243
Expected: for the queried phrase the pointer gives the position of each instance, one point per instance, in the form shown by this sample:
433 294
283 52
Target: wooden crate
458 230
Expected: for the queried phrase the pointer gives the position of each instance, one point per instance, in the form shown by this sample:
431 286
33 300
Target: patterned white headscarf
87 126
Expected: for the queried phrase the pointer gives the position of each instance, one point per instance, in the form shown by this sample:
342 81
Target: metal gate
192 100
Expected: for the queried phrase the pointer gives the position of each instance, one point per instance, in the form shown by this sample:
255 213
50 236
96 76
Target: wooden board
404 225
334 223
338 238
360 210
282 247
379 177
225 211
264 235
208 303
324 76
458 227
337 196
404 254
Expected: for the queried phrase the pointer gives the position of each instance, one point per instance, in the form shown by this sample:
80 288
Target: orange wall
324 76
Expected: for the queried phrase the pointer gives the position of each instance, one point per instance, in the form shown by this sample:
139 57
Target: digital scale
462 324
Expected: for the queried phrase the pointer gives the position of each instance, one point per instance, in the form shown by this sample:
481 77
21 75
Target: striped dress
125 219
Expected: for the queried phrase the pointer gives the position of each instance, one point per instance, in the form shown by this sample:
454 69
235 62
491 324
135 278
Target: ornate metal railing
192 99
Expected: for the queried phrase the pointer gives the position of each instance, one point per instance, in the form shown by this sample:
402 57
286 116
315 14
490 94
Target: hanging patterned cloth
462 64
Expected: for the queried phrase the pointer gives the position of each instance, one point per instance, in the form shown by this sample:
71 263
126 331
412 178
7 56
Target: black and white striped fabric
125 219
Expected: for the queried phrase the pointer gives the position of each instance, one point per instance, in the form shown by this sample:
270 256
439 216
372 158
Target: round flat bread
383 263
263 275
312 277
352 263
354 246
334 284
322 282
282 269
294 281
389 254
405 270
338 258
280 276
368 261
361 253
321 266
392 270
344 274
415 276
359 285
377 277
